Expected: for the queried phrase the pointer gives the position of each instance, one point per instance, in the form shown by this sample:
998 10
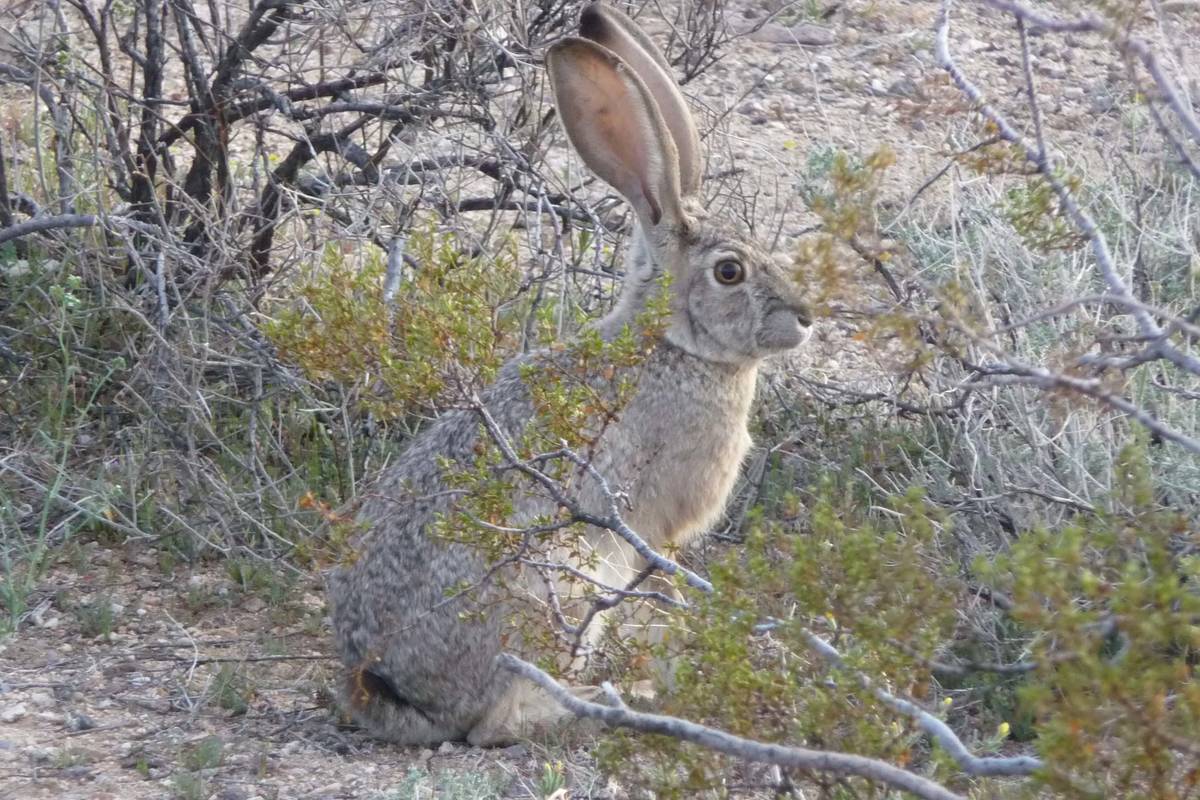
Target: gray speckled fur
675 450
389 607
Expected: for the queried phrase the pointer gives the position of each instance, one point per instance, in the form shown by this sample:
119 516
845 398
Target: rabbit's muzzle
784 326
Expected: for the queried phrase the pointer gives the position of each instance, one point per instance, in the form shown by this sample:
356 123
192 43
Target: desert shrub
446 329
872 586
1113 603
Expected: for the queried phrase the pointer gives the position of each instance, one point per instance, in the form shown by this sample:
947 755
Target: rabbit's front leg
653 626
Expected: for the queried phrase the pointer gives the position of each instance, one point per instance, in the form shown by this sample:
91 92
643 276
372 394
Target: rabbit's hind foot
374 705
527 711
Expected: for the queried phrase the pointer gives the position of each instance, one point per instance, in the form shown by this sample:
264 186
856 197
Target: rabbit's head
731 301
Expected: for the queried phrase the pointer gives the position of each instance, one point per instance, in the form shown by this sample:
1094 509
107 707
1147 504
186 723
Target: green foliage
189 786
869 585
96 618
52 311
448 326
256 577
1036 214
843 191
68 757
552 781
578 388
1107 606
208 753
1115 602
231 691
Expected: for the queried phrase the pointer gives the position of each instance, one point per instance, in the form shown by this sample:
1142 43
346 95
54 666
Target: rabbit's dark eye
729 273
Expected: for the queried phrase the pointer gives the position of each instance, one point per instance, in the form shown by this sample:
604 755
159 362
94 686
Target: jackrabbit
418 669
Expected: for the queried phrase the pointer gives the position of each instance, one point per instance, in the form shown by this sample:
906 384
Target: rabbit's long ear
617 32
615 125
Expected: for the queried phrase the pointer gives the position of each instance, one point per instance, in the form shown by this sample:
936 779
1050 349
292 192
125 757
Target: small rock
79 772
804 34
813 35
977 46
877 87
41 700
515 751
253 605
231 793
139 759
795 83
754 110
12 713
905 87
771 33
39 755
446 748
1101 99
78 721
1074 93
38 615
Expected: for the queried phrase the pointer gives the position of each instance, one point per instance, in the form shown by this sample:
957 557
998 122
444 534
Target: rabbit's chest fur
678 446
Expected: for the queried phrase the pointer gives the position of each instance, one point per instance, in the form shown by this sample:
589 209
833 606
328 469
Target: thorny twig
613 522
931 725
1158 345
798 758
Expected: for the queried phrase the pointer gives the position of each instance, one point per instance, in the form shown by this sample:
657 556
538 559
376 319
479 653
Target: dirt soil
138 678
